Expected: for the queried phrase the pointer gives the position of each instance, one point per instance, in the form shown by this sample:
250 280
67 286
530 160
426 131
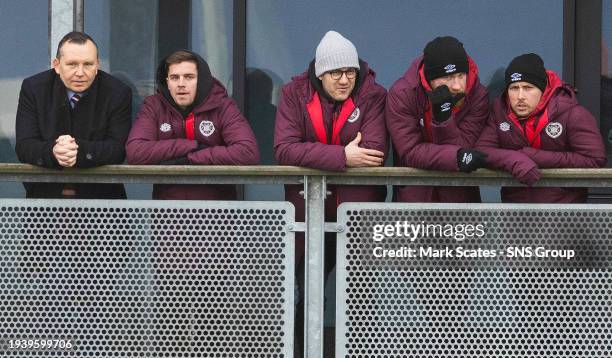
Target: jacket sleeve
586 148
240 145
143 145
29 144
290 147
466 133
408 140
512 161
373 129
111 149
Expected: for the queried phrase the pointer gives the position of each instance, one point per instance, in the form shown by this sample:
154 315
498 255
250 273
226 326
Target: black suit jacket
100 124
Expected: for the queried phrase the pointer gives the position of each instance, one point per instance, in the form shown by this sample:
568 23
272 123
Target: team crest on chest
354 116
504 126
554 129
165 127
207 128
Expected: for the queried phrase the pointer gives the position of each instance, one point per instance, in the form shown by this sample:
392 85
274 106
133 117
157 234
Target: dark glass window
606 76
24 36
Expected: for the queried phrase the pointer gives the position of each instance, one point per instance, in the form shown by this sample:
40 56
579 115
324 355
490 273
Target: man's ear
55 64
320 78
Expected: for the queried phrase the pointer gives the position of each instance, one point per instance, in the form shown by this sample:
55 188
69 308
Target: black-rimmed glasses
351 73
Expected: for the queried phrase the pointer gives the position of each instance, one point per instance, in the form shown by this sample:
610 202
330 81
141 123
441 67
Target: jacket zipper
513 128
335 115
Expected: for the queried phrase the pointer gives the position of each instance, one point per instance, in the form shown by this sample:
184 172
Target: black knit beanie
529 68
444 56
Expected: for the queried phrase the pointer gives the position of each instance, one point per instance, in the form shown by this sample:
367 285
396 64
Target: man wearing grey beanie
331 117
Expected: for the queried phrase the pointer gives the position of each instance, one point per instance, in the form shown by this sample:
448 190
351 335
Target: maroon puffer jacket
158 134
295 141
407 102
570 140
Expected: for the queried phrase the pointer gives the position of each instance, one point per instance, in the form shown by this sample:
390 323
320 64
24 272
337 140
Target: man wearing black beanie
434 114
537 123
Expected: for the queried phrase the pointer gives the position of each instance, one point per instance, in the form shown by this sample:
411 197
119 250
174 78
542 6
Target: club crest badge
504 126
207 128
165 127
554 129
445 107
516 76
450 68
354 116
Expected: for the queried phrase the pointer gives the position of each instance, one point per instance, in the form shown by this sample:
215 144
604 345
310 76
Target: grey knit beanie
334 52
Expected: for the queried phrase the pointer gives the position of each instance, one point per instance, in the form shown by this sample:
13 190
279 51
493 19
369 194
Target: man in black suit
73 115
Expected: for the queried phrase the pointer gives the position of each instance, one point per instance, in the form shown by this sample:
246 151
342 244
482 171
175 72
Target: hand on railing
357 157
469 160
65 151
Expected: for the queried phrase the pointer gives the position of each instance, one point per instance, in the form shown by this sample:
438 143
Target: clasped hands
65 150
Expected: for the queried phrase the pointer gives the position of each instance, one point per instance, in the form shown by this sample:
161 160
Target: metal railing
272 174
314 182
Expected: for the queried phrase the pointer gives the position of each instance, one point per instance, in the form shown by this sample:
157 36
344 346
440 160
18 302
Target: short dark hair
76 37
181 56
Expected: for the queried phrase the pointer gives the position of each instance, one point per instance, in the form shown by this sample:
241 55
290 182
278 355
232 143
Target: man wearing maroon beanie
434 114
537 123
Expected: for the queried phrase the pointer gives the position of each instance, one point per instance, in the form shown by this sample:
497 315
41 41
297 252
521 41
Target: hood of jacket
205 84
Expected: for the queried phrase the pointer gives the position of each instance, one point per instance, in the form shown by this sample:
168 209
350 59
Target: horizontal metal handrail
273 174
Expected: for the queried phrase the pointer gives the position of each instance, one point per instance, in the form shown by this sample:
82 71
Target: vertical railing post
79 16
61 22
314 193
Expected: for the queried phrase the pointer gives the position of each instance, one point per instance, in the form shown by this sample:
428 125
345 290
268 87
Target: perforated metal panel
497 306
146 279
